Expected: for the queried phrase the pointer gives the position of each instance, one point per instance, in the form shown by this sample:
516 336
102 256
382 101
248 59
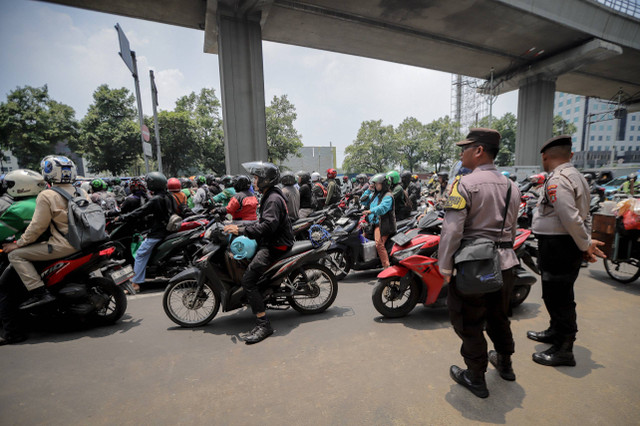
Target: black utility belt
505 244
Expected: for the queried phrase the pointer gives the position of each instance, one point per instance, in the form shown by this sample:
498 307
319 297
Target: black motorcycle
297 280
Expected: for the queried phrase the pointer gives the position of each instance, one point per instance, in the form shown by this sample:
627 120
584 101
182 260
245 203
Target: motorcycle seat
299 247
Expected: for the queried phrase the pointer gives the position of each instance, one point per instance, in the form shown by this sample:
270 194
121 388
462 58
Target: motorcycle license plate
342 221
121 275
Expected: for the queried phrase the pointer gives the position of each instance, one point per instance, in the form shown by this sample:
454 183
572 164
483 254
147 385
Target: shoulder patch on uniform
455 201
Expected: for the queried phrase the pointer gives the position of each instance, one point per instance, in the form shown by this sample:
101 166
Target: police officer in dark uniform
475 209
274 235
563 227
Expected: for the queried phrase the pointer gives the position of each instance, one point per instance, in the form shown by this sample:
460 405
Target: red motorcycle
414 275
86 285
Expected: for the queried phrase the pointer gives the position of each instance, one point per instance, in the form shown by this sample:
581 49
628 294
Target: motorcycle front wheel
187 307
390 301
339 261
519 294
316 289
624 271
114 300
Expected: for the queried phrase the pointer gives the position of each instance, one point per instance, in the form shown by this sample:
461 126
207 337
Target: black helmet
288 178
156 182
211 179
242 183
305 177
268 173
445 175
227 181
405 177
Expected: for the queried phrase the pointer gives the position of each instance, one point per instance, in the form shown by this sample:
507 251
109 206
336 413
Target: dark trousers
470 314
264 258
559 260
12 293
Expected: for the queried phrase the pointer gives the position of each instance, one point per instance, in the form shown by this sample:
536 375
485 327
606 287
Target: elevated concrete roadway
575 46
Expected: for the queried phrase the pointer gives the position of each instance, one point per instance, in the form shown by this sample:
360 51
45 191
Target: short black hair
491 150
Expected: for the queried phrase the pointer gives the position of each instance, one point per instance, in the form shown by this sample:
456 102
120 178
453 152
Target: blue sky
73 51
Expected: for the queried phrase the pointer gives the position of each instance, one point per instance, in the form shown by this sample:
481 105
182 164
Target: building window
574 139
561 94
599 148
638 138
630 138
608 138
568 111
591 148
622 148
600 137
633 128
637 147
575 120
592 138
633 118
576 109
560 104
601 127
593 127
569 101
609 128
578 98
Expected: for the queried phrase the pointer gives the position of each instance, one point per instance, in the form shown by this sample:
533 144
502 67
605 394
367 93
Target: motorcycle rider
201 197
161 206
117 190
400 197
333 190
175 189
414 191
274 235
291 194
346 185
227 193
212 185
307 201
22 186
50 214
136 198
381 214
319 191
630 186
244 204
101 197
361 185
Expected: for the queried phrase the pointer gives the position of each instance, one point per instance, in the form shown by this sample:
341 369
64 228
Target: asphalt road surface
347 366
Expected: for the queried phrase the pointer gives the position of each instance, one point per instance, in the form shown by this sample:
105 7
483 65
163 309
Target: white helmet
315 177
58 169
24 183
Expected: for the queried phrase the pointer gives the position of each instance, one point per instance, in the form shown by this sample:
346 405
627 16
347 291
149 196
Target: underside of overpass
539 46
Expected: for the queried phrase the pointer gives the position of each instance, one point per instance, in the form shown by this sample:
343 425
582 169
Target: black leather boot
472 380
261 331
502 363
546 336
40 297
558 354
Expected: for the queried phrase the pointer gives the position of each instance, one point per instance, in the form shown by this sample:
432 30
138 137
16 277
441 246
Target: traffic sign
146 135
147 149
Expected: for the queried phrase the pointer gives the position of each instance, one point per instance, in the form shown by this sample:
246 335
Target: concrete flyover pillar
535 118
242 84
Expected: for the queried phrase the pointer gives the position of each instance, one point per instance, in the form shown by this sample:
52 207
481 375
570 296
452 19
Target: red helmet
332 173
174 185
136 185
537 179
345 178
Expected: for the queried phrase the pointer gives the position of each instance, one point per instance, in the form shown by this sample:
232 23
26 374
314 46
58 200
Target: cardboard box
604 229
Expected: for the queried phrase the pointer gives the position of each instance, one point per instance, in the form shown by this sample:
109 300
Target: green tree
563 127
111 136
204 110
182 145
283 139
507 125
373 151
442 134
413 143
32 124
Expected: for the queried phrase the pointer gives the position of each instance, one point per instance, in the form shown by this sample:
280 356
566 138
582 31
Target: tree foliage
182 145
32 124
111 136
374 150
563 127
283 139
207 151
507 125
443 134
413 143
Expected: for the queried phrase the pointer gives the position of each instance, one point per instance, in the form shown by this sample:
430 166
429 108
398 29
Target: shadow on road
66 330
283 322
504 397
603 277
370 277
584 364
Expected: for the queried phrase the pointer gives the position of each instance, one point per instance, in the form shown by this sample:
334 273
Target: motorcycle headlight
403 254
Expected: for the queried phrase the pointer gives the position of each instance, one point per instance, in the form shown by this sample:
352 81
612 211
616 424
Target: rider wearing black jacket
274 235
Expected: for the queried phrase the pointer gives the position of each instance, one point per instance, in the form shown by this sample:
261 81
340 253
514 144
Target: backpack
86 221
175 221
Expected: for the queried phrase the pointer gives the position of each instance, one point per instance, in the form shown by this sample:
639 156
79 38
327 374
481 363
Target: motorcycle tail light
107 252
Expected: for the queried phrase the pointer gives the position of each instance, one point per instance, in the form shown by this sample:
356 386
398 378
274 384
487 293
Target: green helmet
97 185
115 181
394 176
201 180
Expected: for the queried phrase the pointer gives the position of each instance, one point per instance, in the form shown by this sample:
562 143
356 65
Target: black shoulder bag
477 263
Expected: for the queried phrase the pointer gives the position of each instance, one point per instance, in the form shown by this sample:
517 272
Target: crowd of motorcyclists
272 200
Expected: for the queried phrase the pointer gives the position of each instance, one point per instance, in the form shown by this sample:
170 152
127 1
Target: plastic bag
630 220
